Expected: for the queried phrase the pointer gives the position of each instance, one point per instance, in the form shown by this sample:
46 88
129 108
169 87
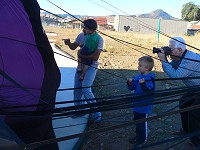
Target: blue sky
132 7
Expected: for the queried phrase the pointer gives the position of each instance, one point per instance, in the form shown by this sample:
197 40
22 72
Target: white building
145 25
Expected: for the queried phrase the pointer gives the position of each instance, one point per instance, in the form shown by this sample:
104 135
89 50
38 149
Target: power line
103 106
36 144
147 26
121 41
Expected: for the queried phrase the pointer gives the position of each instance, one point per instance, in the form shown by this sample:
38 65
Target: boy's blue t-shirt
147 86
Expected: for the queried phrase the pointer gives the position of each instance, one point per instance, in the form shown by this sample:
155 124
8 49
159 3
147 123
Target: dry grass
121 60
116 55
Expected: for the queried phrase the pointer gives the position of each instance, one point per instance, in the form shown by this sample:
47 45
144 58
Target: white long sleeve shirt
187 68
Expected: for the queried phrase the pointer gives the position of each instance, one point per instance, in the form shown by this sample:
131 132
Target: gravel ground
159 129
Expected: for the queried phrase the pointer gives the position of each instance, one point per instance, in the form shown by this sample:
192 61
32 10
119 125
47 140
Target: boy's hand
129 82
142 80
66 41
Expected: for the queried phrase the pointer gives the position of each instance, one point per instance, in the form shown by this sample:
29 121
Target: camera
167 50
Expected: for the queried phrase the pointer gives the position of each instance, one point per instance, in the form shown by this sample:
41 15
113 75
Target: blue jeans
86 92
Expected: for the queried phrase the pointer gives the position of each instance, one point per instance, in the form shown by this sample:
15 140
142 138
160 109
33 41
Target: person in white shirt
90 74
185 68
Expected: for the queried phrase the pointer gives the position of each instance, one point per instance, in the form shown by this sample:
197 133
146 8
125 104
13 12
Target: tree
190 12
196 12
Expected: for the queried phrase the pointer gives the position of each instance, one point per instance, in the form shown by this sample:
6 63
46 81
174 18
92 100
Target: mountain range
159 13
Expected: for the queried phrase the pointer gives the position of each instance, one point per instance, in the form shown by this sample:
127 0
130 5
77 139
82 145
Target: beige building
74 24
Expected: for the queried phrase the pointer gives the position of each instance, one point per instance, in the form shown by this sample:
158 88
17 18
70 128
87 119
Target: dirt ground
123 61
159 129
124 65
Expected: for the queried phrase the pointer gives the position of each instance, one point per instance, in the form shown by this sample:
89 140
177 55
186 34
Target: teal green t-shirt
91 42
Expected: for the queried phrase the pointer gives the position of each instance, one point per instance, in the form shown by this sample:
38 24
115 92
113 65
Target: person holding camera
180 67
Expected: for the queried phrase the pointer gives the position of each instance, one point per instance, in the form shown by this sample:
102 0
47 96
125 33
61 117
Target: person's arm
131 83
94 56
174 73
184 69
86 48
79 41
72 46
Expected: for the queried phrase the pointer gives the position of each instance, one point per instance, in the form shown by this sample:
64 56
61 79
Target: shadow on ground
118 139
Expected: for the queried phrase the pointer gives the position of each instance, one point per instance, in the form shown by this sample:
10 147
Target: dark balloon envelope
27 57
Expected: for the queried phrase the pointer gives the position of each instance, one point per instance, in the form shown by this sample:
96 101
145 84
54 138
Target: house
193 27
74 24
77 24
104 22
101 21
49 19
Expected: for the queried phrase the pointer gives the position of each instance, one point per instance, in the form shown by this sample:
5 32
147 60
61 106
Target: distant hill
69 16
159 13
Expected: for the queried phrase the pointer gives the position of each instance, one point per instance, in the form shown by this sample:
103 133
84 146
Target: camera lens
156 50
167 50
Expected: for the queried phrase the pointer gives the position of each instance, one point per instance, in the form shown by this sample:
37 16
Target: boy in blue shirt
141 86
